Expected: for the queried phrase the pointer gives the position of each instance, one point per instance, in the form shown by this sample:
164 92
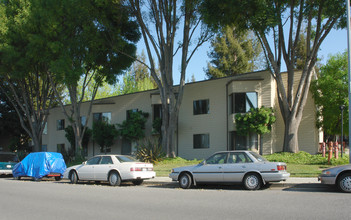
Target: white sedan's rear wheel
344 183
252 181
185 181
114 179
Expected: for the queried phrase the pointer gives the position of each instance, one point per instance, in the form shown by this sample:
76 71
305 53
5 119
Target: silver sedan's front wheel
344 183
252 181
185 181
73 177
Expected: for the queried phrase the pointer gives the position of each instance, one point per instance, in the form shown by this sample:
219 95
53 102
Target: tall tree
138 78
159 22
82 39
233 53
10 125
283 21
23 77
330 91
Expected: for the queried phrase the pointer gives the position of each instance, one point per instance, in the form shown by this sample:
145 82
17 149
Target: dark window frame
60 124
130 111
238 142
157 111
201 107
200 142
245 104
99 116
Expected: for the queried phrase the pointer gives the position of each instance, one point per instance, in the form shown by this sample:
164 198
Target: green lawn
165 167
303 170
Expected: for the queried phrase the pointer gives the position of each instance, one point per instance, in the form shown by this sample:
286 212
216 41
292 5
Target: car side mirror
84 163
203 162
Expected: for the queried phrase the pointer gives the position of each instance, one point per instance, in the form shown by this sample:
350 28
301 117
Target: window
93 161
219 158
60 124
60 148
45 130
106 116
238 142
238 157
124 158
106 160
157 109
242 102
201 107
83 120
130 111
201 141
44 148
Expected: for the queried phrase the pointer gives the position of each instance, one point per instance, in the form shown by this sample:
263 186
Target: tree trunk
291 136
37 143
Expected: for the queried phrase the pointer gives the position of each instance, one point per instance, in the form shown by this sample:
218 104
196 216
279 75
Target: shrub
149 150
305 158
133 128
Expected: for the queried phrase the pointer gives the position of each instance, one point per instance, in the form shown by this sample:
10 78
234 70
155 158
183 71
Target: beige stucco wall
218 123
118 107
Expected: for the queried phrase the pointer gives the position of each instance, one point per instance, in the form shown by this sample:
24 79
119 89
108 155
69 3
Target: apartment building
206 118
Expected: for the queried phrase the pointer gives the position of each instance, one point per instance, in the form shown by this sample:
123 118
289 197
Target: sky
335 42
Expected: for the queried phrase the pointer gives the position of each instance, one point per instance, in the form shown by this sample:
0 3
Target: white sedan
246 167
111 168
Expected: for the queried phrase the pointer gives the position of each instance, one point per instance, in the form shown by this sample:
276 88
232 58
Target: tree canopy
23 72
233 53
160 22
278 25
257 120
82 39
330 91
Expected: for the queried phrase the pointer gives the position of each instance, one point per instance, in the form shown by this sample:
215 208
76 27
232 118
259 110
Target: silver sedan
246 167
339 176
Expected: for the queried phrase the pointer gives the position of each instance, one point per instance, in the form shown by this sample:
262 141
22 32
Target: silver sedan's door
86 171
208 173
236 167
211 170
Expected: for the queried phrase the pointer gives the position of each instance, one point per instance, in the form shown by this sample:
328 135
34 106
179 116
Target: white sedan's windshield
258 157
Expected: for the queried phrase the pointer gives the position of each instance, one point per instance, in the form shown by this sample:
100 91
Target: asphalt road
49 199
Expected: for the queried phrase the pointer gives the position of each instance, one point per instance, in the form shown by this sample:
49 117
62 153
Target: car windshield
8 158
123 159
258 157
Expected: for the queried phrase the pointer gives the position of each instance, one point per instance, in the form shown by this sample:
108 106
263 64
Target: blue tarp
40 164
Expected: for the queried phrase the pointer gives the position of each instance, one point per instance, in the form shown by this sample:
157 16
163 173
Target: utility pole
349 70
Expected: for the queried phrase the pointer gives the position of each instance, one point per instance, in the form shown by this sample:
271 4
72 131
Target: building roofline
239 77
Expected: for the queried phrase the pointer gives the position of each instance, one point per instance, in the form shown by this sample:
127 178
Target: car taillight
136 169
281 167
132 169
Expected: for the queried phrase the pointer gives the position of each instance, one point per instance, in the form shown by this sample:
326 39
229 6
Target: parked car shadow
175 185
28 178
94 183
311 187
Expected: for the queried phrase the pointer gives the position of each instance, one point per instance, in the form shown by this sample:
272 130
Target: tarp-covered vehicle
39 165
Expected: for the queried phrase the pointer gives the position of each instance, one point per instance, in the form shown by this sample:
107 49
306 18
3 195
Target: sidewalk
292 181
